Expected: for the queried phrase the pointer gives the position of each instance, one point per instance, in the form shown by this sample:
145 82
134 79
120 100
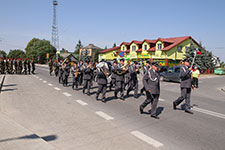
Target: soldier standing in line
113 75
133 82
87 70
7 65
28 66
2 63
25 66
80 76
33 66
20 66
15 66
120 79
11 66
50 64
152 87
185 85
74 72
102 82
145 70
60 71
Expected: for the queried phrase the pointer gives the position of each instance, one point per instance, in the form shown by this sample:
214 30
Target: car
172 74
163 69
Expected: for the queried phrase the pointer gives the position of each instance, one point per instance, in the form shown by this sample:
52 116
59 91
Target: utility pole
55 36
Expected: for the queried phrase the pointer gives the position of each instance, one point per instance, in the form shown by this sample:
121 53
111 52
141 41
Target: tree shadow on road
30 137
9 85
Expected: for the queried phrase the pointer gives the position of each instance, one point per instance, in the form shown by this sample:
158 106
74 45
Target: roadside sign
47 55
121 53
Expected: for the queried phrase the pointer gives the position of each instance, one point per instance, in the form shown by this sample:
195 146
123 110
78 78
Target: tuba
125 67
104 68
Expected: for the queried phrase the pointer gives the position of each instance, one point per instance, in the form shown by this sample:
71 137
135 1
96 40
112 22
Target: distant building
89 51
216 61
168 51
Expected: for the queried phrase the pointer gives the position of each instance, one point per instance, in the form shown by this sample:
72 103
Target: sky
104 22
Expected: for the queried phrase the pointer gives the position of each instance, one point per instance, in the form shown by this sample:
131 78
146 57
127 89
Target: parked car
163 68
172 74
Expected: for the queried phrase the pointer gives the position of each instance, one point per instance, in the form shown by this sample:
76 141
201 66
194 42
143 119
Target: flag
199 52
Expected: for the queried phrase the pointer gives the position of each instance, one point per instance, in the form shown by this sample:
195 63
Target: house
168 51
89 51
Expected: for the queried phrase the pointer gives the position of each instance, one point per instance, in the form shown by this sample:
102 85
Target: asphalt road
46 109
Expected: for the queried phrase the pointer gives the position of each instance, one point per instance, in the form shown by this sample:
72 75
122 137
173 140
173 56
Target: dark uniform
15 66
33 66
80 76
133 82
25 66
7 66
74 70
185 85
145 70
120 73
50 64
87 71
113 75
152 87
28 66
2 66
20 66
66 73
102 84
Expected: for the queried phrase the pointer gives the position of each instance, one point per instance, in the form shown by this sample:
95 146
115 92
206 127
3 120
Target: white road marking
104 115
162 100
81 102
40 79
50 84
56 88
37 77
147 139
67 94
208 112
44 81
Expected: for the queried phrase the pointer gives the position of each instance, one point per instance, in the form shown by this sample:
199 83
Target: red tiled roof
152 49
127 51
139 50
110 49
149 41
125 43
175 41
136 42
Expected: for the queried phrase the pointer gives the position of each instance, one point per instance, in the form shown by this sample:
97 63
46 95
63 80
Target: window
145 47
159 46
186 49
123 48
179 48
133 48
177 70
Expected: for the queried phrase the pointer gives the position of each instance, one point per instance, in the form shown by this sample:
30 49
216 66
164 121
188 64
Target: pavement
36 112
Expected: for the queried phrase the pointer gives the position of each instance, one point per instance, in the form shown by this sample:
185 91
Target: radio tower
55 37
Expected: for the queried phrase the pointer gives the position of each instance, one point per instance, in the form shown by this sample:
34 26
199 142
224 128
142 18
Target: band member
20 66
74 72
133 82
50 64
66 73
120 71
7 65
56 67
87 71
2 66
113 74
60 71
102 82
145 70
11 66
80 76
186 85
152 87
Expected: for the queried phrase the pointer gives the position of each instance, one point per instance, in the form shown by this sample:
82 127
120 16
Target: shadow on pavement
6 90
32 136
9 85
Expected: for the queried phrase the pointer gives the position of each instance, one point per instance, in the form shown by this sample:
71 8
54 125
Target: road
43 108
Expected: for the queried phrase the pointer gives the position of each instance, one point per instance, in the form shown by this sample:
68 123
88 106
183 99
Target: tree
114 45
106 47
16 54
64 51
3 54
37 47
77 49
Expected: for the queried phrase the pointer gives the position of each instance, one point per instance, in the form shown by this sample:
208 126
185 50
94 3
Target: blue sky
103 22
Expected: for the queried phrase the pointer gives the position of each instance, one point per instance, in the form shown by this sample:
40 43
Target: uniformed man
56 67
66 73
25 65
60 71
28 65
74 72
185 85
113 74
87 71
145 70
33 66
11 66
133 71
120 73
152 87
102 82
20 66
15 66
7 65
50 64
2 66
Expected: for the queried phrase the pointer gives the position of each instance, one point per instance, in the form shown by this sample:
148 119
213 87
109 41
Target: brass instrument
125 67
77 72
104 68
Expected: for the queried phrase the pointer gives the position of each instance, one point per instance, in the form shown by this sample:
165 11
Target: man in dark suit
87 71
74 72
152 86
113 74
185 85
145 69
